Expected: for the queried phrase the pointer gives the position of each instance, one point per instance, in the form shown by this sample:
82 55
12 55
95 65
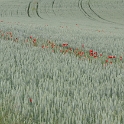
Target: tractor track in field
28 10
85 7
80 6
83 10
95 12
100 16
53 6
37 11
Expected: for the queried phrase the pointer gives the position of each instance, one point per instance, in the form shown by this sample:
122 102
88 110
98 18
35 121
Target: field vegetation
61 62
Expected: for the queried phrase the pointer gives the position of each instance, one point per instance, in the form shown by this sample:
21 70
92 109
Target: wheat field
61 62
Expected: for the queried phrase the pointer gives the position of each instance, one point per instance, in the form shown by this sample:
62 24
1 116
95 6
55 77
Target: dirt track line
28 9
37 11
100 16
95 12
82 9
53 6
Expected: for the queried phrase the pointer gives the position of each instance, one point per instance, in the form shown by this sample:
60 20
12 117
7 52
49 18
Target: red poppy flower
64 45
90 51
110 56
81 53
34 40
95 53
120 57
30 100
30 37
106 61
91 54
43 46
100 54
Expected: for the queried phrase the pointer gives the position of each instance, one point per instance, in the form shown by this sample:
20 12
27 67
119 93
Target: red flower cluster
94 54
34 40
80 53
91 52
64 44
110 57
